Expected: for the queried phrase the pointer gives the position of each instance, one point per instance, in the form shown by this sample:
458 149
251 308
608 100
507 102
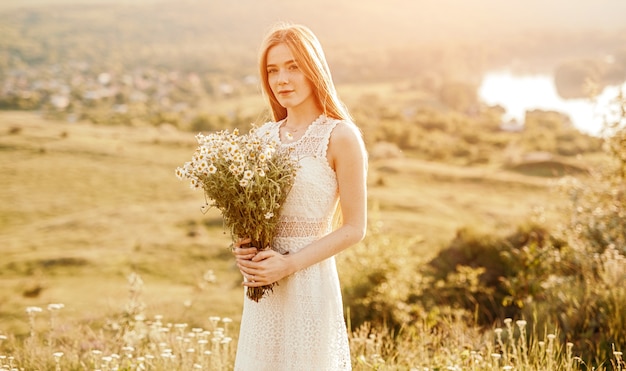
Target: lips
284 92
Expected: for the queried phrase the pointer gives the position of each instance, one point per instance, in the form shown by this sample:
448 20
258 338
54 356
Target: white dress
300 325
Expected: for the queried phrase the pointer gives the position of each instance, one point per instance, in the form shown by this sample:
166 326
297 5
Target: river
519 93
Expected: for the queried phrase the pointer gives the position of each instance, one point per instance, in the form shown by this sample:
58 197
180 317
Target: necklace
289 132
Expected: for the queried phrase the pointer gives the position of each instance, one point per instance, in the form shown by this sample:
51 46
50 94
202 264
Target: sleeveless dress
300 325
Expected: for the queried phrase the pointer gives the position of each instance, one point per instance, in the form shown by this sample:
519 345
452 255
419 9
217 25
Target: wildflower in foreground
33 310
52 307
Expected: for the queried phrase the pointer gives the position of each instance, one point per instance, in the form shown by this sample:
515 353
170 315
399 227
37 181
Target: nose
283 77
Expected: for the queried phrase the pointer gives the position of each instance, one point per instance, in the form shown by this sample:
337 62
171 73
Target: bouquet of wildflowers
247 178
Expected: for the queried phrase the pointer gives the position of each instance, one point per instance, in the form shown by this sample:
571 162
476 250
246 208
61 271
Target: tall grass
135 340
130 340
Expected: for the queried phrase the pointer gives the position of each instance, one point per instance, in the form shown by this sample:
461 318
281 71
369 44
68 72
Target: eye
271 71
293 67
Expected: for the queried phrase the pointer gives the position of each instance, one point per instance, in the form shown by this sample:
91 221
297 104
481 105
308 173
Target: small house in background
59 101
512 125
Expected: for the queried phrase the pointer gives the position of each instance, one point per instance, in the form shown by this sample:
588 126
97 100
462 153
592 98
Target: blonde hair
309 56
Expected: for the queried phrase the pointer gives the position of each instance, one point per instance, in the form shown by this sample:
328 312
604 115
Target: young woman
300 324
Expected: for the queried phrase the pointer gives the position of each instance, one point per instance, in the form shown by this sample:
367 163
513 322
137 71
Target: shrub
380 278
592 303
493 277
572 275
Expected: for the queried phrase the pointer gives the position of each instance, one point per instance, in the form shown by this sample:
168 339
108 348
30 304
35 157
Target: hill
83 205
235 28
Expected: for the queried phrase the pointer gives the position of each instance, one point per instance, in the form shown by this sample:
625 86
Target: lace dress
300 325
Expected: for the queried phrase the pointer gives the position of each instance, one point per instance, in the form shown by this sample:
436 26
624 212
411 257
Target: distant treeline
176 64
208 37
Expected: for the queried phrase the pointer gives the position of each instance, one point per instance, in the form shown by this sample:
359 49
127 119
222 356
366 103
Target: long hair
309 56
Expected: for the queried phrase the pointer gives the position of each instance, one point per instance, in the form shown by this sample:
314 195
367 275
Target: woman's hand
264 268
243 253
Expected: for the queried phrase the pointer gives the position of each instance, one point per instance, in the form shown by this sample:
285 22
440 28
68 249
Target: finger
251 277
262 255
255 283
247 277
242 241
246 250
240 258
248 266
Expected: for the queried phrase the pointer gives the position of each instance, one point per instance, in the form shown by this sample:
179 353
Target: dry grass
82 206
91 203
435 200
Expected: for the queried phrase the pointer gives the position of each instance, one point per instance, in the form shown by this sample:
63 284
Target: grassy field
83 206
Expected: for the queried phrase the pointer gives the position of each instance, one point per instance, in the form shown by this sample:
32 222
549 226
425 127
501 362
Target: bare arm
347 156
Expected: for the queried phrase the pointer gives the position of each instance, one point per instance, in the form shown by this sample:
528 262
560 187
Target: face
288 84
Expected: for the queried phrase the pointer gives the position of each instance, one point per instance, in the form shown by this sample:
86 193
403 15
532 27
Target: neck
297 119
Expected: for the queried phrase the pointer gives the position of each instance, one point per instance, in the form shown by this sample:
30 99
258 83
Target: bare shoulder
346 133
346 146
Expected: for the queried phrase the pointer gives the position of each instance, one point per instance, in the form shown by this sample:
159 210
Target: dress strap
322 132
